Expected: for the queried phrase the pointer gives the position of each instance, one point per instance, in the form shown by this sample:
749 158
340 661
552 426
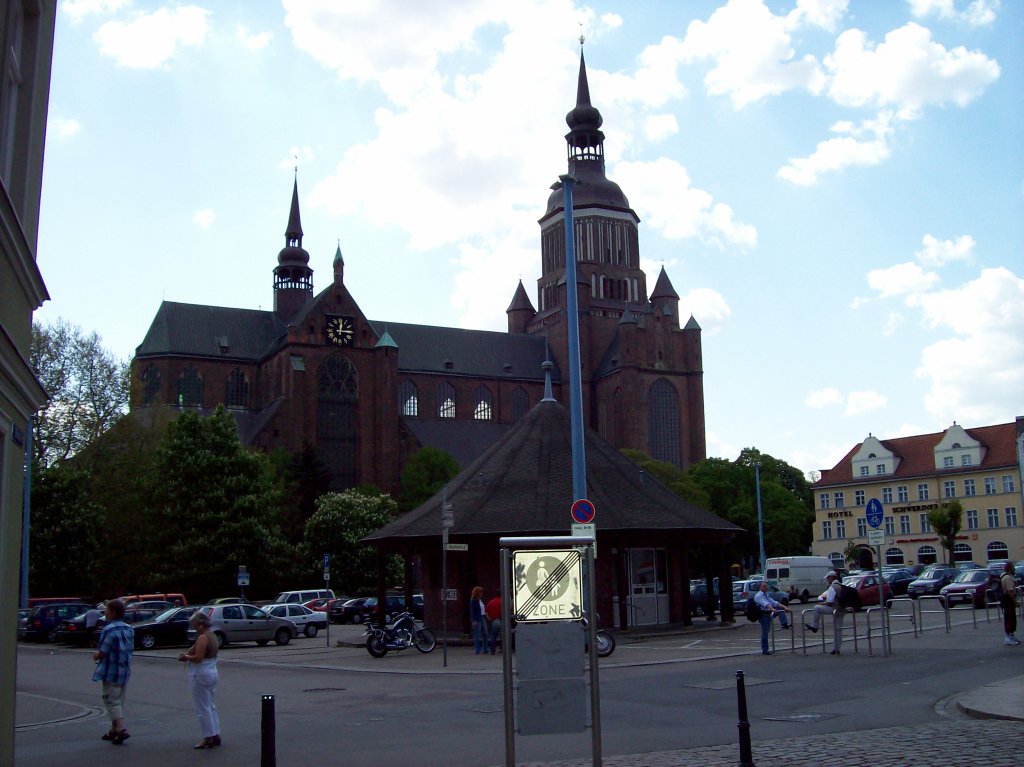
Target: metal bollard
268 734
746 757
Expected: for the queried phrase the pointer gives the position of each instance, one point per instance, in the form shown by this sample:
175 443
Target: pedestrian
202 679
828 604
769 609
1009 604
113 658
478 619
493 614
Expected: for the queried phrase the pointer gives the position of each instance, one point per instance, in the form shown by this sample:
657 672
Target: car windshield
972 576
166 614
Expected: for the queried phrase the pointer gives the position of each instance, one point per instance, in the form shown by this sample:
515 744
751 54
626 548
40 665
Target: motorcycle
401 634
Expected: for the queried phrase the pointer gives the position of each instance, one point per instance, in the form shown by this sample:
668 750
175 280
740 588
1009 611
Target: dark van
44 621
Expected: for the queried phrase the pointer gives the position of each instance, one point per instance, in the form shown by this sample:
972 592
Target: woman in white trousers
202 677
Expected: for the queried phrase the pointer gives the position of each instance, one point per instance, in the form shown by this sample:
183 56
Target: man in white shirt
828 604
769 608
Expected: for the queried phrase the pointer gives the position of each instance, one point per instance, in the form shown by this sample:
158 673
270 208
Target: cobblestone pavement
952 743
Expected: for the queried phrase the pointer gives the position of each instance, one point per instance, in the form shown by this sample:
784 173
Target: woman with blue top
477 620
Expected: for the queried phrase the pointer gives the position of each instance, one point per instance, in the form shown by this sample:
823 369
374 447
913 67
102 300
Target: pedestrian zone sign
548 585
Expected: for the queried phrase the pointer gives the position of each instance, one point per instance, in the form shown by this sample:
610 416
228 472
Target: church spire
293 235
293 279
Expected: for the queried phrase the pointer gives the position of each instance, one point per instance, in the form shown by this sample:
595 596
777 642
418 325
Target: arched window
894 556
408 399
190 388
337 420
926 555
446 400
150 384
237 394
484 409
520 403
997 550
663 422
962 552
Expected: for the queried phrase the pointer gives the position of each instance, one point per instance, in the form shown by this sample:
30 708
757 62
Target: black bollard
746 757
268 734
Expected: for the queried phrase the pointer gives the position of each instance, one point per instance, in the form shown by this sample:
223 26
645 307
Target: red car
968 588
867 587
323 605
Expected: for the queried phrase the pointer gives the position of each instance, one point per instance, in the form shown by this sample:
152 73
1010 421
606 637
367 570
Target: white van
804 576
301 597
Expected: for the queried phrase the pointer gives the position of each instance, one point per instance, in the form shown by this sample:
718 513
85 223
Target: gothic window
190 388
663 425
484 410
408 399
446 400
520 403
337 420
237 394
150 384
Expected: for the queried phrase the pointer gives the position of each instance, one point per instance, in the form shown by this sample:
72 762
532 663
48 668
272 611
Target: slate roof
194 330
917 456
523 485
465 441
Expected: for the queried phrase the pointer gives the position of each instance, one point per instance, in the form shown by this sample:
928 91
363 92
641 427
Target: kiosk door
648 587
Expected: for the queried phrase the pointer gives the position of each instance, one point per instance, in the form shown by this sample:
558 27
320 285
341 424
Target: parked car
309 622
395 605
969 587
229 601
81 630
351 610
743 590
245 623
323 604
176 599
931 580
699 598
967 565
867 587
299 597
167 628
899 579
44 621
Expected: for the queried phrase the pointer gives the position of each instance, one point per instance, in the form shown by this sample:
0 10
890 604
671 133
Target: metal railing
944 611
843 628
895 605
883 613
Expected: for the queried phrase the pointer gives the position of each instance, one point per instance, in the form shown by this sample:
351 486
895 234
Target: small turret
339 266
293 279
520 311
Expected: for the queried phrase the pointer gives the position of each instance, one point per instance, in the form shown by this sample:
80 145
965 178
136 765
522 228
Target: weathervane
582 38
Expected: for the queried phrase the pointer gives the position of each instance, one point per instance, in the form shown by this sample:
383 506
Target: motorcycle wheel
425 640
376 646
605 644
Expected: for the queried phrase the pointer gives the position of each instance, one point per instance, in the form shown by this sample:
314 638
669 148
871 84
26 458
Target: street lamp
760 521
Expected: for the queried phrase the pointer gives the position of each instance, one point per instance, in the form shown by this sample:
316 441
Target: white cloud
893 322
977 13
820 398
849 149
901 280
77 10
752 51
149 40
908 71
62 127
204 217
252 40
657 127
818 13
938 252
719 448
861 402
707 306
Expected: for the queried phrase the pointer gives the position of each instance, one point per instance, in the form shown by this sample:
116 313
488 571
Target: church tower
293 279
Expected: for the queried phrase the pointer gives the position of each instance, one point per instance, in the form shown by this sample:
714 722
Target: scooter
401 634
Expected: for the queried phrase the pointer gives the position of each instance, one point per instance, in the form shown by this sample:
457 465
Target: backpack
752 610
849 597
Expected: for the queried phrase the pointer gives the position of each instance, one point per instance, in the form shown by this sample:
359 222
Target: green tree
425 473
65 533
88 388
215 507
303 479
946 521
340 522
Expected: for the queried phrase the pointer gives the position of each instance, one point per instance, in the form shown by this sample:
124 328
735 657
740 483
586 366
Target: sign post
327 585
447 522
243 579
873 515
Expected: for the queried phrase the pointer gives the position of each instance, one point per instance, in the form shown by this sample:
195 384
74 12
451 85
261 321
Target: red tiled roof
917 456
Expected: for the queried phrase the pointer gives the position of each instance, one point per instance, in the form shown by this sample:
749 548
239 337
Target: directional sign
876 537
456 547
583 511
873 513
548 585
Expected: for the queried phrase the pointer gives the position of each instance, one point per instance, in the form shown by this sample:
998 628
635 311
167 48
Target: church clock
340 331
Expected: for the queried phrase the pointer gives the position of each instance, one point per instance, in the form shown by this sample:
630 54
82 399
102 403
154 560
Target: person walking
113 658
492 611
478 619
1009 604
202 679
769 609
828 604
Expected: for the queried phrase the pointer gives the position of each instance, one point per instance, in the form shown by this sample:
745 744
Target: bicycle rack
945 610
896 603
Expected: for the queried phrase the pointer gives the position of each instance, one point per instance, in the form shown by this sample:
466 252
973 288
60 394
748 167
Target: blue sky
835 187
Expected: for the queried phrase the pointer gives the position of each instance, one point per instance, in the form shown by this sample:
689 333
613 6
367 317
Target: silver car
309 622
245 623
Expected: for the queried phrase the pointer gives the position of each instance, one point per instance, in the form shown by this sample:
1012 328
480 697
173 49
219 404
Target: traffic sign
583 511
548 585
327 561
873 513
450 595
876 537
456 546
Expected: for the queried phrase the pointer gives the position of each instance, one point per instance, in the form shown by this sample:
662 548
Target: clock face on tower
340 330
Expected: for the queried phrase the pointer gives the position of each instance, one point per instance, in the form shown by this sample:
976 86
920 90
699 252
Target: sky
834 187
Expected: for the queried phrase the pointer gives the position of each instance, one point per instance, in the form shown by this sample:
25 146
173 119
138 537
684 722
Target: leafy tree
65 533
946 521
215 507
426 472
88 389
303 479
340 522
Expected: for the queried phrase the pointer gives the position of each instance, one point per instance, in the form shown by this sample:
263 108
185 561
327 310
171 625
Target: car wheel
805 597
282 637
51 636
311 630
147 641
221 639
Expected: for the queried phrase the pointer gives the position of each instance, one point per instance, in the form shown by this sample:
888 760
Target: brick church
367 393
